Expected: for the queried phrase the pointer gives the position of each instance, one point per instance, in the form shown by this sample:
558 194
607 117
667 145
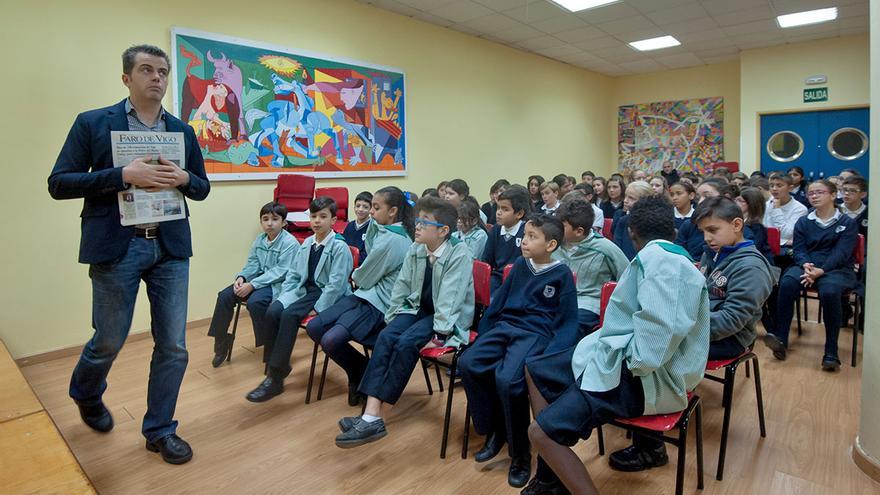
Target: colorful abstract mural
688 133
260 110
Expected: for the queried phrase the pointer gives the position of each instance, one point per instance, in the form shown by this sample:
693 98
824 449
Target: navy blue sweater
545 303
500 252
609 210
620 230
355 237
757 233
691 238
829 248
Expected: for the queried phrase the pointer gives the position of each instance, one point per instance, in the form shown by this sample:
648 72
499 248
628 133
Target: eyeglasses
850 190
818 193
421 222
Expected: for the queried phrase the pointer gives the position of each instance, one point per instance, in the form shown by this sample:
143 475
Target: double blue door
811 132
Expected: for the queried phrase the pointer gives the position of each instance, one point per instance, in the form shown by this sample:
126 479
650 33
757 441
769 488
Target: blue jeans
114 290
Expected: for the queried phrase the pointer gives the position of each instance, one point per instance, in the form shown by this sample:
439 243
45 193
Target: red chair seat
305 321
655 422
717 364
436 352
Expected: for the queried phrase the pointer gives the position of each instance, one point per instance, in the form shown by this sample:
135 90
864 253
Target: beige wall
476 110
773 81
696 82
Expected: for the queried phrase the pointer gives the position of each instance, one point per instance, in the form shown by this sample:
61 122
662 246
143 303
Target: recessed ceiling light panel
655 43
806 18
578 5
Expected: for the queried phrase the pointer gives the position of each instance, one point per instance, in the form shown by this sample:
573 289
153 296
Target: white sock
369 418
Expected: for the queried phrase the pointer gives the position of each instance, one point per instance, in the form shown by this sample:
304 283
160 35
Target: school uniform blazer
267 264
475 240
594 261
657 325
331 274
375 278
84 169
452 288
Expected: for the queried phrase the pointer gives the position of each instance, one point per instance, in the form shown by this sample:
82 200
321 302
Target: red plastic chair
482 276
774 240
356 257
604 297
606 229
730 366
812 293
656 425
295 191
340 195
733 167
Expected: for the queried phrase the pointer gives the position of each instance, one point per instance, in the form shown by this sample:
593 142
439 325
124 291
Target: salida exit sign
815 94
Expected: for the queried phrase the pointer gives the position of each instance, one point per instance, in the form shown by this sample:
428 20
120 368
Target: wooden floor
285 446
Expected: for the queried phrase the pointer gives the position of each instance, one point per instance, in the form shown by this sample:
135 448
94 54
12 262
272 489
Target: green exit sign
815 94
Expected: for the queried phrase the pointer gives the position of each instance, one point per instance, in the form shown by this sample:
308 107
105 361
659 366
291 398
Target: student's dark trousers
224 309
493 373
396 355
283 324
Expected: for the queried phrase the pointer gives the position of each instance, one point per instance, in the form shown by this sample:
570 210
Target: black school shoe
347 422
174 449
830 363
775 345
632 459
494 442
538 487
520 471
268 389
355 398
221 350
96 416
361 433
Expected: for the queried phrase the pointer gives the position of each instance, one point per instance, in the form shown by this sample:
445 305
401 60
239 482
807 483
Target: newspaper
137 206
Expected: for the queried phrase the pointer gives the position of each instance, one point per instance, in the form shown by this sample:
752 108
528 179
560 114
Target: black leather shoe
96 416
830 363
347 422
520 471
268 389
632 459
538 487
493 445
355 398
174 449
221 350
775 345
361 433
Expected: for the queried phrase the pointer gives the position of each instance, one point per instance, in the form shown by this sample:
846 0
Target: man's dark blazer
84 169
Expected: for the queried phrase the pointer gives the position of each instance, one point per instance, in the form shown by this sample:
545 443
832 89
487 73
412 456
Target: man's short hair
858 181
577 212
131 52
560 180
519 198
781 176
718 207
460 187
550 226
322 202
586 188
274 208
364 196
442 210
652 218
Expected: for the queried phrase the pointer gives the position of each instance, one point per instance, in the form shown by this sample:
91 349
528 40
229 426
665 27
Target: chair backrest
506 272
733 167
355 256
774 239
859 251
604 297
295 191
606 229
340 195
482 277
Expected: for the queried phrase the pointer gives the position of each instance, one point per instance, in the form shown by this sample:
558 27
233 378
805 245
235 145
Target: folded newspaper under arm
137 206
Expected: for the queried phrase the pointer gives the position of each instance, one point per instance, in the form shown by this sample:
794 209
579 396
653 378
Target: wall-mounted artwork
688 133
260 110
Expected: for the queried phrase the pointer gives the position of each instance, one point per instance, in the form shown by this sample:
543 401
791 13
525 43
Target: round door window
847 143
785 146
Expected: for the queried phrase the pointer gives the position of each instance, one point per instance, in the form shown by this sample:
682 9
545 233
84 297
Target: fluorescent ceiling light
578 5
808 17
655 43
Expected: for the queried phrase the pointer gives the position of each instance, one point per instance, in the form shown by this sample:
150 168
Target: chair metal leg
601 440
448 415
234 329
682 457
699 417
467 432
323 377
819 316
440 378
748 373
797 307
759 397
727 404
427 378
312 374
855 330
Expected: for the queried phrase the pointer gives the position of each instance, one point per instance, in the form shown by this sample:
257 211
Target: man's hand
143 174
244 290
181 176
239 281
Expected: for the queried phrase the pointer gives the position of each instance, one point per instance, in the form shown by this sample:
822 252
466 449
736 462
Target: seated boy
737 276
356 231
589 196
537 302
317 277
783 212
433 294
258 283
594 261
855 190
650 351
503 245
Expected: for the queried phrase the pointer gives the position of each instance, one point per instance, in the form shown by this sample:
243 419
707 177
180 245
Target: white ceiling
710 31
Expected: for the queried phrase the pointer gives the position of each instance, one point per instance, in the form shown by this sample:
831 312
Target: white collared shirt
329 237
511 231
439 252
549 210
824 223
853 213
359 226
598 217
687 215
538 268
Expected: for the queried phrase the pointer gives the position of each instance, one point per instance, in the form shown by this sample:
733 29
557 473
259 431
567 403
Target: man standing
120 257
